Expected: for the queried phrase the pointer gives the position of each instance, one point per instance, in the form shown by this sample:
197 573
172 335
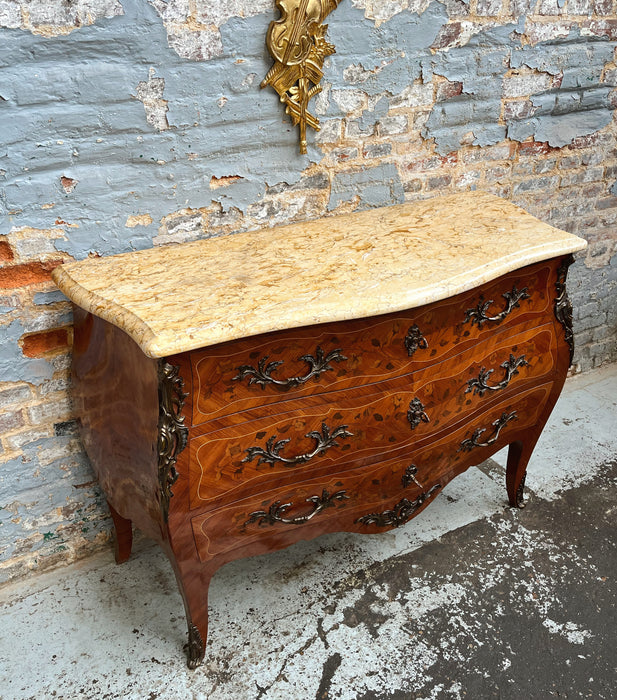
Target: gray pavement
471 599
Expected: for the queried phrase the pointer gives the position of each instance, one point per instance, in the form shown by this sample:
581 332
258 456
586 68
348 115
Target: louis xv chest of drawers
240 394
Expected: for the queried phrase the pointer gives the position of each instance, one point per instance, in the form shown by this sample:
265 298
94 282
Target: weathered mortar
131 124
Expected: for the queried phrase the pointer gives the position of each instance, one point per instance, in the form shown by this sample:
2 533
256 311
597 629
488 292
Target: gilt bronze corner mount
297 43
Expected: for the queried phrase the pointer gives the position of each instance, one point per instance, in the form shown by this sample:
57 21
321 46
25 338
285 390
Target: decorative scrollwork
563 307
479 384
298 46
172 433
479 313
262 374
325 440
414 340
416 413
400 514
276 512
469 444
195 648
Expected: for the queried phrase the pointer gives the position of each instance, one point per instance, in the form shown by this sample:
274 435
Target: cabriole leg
519 454
193 579
195 594
123 535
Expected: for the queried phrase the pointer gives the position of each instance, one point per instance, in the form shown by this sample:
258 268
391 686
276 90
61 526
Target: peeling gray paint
123 166
578 107
193 29
212 120
388 58
63 476
85 128
45 298
559 129
472 118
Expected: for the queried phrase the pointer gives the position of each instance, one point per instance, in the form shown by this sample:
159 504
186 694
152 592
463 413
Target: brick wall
131 123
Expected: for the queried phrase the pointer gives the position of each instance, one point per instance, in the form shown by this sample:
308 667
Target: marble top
177 298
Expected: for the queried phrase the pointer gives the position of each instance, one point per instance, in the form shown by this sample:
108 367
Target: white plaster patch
150 93
383 10
193 27
424 600
55 17
571 631
138 220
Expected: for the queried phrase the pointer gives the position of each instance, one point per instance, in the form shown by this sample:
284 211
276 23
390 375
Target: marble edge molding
171 342
108 310
159 347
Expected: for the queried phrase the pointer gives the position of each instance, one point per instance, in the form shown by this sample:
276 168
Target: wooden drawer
370 499
268 369
367 424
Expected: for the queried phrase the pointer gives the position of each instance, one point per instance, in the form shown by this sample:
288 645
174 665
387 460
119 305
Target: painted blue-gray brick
564 55
121 175
480 66
370 117
378 186
14 365
563 129
393 54
478 108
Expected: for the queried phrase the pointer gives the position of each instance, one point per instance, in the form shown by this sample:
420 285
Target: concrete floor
469 600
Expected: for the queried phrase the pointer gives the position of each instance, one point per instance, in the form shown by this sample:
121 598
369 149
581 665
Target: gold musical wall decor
298 46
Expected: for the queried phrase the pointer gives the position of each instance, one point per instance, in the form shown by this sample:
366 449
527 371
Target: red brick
586 141
37 344
518 109
11 421
28 273
534 148
448 89
6 252
432 163
448 35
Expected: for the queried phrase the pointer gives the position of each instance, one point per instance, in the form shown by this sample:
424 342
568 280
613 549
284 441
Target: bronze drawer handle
276 512
479 384
409 477
468 444
479 313
416 413
262 375
325 440
414 340
400 514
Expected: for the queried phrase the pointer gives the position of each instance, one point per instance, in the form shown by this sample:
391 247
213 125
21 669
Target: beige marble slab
177 298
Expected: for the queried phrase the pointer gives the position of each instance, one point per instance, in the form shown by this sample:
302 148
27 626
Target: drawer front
373 499
357 427
240 375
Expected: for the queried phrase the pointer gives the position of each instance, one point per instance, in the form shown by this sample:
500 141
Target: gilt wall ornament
297 43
